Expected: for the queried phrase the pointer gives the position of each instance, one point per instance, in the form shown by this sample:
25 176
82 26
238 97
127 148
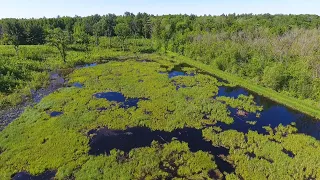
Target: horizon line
173 14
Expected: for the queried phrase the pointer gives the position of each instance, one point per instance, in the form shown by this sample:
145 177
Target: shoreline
290 102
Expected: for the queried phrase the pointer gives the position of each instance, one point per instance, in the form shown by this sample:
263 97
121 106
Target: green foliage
123 31
274 77
283 155
173 160
59 39
61 143
232 43
242 103
30 70
81 36
280 54
305 106
14 34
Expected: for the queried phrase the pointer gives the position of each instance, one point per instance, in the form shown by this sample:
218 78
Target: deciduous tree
59 39
123 31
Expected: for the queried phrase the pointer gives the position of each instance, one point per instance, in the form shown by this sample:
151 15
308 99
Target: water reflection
55 114
91 65
104 140
27 176
232 92
119 98
273 115
78 85
176 73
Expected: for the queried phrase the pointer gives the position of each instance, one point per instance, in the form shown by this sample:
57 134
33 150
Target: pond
177 70
103 140
55 114
48 175
119 98
77 85
273 115
176 73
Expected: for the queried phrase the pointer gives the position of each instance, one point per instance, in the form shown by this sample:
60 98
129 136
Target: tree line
143 25
66 30
278 51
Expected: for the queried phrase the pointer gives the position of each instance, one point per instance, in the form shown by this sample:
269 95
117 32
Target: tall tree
69 23
81 35
99 30
14 34
147 27
163 32
123 31
59 39
35 33
110 25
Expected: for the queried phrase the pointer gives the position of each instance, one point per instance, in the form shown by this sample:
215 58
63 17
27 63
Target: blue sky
52 8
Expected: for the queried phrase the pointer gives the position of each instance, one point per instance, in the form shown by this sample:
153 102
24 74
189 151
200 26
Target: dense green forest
276 51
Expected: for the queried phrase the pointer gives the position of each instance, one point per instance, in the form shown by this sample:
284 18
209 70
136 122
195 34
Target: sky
53 8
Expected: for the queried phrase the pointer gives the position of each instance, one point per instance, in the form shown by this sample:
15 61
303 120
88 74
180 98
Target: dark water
56 81
273 115
176 73
105 140
231 92
55 114
48 175
78 85
91 65
86 65
289 153
120 98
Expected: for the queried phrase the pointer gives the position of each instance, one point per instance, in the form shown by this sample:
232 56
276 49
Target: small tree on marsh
59 39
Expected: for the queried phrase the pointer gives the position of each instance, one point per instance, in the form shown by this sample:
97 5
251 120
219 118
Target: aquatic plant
283 155
36 141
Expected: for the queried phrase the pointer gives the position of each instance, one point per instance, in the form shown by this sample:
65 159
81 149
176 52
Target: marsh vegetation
105 97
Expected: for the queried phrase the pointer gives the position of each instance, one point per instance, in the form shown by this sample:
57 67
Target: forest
276 51
142 96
